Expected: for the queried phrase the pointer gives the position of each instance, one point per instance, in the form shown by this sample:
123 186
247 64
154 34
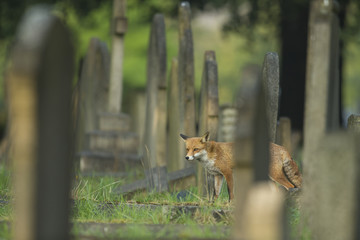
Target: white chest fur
208 163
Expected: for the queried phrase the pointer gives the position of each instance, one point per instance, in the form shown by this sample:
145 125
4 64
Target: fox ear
183 136
205 138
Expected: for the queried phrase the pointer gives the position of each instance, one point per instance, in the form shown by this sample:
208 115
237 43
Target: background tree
291 19
286 20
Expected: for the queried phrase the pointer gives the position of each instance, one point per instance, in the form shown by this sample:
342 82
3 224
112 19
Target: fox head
195 146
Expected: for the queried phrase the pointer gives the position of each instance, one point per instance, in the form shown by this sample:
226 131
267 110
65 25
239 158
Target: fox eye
187 149
196 149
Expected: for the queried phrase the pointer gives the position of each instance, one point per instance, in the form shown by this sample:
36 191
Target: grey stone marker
186 72
353 123
39 87
176 146
119 28
257 206
334 203
228 117
94 89
270 78
155 125
322 91
208 117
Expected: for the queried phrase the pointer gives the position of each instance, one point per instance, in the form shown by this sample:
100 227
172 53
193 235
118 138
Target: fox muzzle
189 158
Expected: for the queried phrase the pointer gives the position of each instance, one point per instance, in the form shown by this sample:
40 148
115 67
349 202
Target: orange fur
217 158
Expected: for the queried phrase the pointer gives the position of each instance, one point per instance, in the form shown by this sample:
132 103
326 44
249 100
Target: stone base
108 162
113 141
119 122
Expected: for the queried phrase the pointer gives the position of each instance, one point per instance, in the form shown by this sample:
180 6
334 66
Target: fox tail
291 170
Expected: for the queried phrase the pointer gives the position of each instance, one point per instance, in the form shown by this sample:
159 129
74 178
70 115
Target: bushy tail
291 170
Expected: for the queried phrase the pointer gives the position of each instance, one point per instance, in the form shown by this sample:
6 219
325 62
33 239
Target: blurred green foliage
89 19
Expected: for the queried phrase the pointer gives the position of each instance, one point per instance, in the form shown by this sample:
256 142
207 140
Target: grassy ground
89 195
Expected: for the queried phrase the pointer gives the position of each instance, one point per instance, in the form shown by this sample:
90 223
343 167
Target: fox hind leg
229 180
218 184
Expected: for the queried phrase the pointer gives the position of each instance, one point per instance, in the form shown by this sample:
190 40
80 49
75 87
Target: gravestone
270 78
119 28
110 146
322 94
228 116
334 209
186 73
155 125
253 196
208 117
94 89
39 86
176 153
353 123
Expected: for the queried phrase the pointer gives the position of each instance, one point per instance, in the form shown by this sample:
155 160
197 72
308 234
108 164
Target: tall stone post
119 27
155 125
270 78
259 209
176 153
322 90
186 73
208 117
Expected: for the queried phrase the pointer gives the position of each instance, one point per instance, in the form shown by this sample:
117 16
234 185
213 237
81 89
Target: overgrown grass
92 197
95 200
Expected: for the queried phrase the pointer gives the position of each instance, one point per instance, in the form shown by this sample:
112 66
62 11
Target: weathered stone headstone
119 27
94 89
283 133
227 123
334 209
270 78
208 117
186 72
251 168
176 153
353 123
39 87
155 125
322 82
322 92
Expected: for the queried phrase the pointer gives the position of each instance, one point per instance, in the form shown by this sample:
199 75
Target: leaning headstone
208 117
94 88
155 125
251 168
119 28
270 78
186 72
322 92
39 87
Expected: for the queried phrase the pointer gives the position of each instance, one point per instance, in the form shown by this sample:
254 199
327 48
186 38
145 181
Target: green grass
90 194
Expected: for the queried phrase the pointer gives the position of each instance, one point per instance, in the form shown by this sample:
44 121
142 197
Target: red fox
217 159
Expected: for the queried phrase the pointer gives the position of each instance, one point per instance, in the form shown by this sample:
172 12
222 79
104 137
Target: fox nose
187 158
